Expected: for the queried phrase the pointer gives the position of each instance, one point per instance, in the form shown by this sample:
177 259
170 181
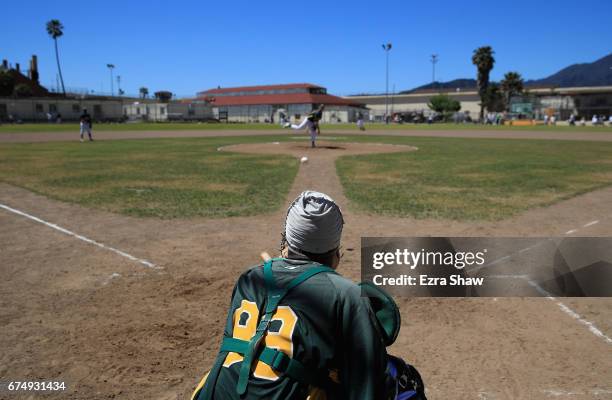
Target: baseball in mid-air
304 159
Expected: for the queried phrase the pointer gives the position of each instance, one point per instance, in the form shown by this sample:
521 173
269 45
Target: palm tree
483 60
55 30
144 92
511 85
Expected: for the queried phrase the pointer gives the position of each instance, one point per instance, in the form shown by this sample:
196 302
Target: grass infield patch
165 178
473 179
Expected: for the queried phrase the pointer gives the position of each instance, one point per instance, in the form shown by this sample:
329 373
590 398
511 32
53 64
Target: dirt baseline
73 134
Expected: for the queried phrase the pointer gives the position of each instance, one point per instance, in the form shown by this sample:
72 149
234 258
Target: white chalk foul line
594 330
80 237
590 223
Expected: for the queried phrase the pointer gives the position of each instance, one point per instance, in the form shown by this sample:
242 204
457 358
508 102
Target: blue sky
187 46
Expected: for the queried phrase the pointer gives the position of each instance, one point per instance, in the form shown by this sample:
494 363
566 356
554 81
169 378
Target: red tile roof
291 98
261 87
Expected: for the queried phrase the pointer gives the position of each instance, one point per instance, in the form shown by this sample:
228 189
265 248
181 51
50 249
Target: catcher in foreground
296 329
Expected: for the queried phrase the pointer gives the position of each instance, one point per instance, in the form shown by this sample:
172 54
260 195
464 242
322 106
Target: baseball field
119 256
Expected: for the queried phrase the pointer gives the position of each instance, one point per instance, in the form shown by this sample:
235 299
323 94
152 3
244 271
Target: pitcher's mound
299 149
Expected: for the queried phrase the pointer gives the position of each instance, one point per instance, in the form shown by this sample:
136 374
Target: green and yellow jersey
323 323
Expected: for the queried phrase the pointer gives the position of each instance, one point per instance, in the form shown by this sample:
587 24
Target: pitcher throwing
311 122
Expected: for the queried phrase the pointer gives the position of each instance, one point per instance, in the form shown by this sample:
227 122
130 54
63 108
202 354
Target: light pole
111 67
387 49
119 85
434 60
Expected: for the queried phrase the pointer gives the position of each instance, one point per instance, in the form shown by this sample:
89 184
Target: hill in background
597 73
450 85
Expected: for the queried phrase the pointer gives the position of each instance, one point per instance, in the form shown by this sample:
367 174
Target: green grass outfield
455 178
473 179
150 126
166 178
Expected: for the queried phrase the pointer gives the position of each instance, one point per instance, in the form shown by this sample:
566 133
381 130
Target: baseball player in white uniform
311 123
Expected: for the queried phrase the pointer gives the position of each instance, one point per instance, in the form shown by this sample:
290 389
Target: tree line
494 97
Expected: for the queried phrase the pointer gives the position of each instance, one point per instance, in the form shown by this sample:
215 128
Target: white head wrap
314 223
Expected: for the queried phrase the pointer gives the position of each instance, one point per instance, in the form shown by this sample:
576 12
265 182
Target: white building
41 109
267 103
172 111
415 102
561 102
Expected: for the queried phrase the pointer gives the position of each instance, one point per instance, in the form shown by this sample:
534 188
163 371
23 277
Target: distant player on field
311 122
85 120
360 124
298 330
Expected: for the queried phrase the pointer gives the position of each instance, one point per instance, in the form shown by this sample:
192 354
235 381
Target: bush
444 105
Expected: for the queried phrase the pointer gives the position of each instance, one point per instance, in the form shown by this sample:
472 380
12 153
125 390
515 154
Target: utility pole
111 67
434 60
387 49
119 85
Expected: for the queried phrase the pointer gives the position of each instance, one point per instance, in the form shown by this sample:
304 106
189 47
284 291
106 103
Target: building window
190 110
52 108
39 108
137 110
76 108
162 110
